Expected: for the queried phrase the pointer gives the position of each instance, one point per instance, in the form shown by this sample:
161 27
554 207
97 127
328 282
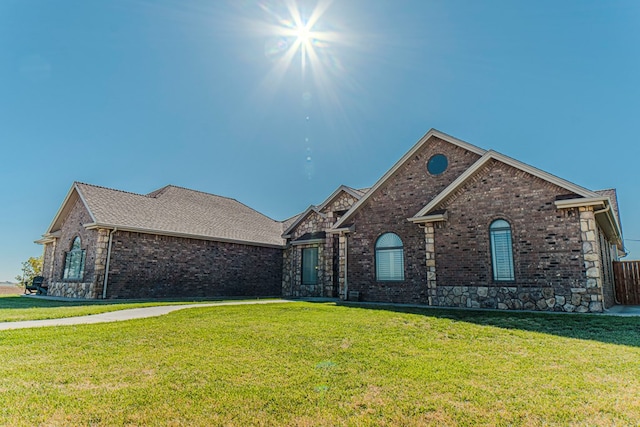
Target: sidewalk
120 315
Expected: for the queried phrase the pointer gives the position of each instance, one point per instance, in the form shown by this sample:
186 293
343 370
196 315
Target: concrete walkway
129 314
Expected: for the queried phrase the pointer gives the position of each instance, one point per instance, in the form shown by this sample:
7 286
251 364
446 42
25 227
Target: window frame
501 252
395 274
435 164
74 262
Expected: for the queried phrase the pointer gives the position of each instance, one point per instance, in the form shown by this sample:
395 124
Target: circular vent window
437 164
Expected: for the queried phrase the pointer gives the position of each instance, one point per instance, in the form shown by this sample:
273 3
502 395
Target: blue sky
137 94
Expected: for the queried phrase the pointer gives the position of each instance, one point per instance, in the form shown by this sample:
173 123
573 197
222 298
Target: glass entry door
310 266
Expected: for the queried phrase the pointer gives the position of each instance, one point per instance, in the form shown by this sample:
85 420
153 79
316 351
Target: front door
310 271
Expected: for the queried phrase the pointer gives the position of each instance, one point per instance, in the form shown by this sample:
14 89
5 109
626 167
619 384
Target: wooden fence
627 279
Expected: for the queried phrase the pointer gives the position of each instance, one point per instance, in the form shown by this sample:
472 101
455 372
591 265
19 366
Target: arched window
501 251
389 258
74 261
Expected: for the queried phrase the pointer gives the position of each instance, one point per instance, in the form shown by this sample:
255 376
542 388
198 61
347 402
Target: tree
30 269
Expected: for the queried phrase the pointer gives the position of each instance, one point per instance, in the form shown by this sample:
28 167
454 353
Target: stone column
589 298
430 249
102 248
342 246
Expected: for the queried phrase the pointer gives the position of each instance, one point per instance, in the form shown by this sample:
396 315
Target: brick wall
401 197
151 266
547 247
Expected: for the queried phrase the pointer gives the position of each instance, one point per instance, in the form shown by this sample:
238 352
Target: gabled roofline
333 195
318 209
300 218
494 155
74 189
432 132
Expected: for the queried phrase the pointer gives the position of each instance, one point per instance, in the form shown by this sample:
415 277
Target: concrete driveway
116 316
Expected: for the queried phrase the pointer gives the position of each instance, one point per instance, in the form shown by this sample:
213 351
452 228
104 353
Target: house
449 225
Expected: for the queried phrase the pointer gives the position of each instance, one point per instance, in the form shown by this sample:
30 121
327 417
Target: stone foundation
71 290
518 298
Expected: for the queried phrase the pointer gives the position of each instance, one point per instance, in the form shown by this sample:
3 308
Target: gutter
106 268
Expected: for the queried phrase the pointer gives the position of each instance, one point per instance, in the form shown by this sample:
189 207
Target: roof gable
357 194
493 155
417 147
65 208
300 218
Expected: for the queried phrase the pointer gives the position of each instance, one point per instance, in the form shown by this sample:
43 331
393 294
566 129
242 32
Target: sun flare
295 36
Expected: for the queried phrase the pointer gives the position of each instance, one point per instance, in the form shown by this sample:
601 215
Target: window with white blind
389 258
501 251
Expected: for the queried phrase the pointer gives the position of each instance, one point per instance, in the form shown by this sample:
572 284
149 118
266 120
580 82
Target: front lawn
311 364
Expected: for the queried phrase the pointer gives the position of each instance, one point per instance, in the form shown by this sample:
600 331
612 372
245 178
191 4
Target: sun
303 34
299 36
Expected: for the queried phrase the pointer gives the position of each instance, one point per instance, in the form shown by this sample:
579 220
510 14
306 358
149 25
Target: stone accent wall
72 290
55 257
314 222
293 273
387 210
152 266
47 260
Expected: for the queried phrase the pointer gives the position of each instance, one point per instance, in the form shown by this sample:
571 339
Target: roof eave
605 217
308 242
95 225
428 218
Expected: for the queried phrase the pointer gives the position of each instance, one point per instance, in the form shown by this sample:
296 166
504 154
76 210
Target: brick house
173 242
450 225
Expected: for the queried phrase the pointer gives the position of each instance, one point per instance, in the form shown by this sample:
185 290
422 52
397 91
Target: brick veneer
152 266
547 247
401 197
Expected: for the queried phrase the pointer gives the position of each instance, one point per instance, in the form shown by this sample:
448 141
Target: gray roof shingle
177 210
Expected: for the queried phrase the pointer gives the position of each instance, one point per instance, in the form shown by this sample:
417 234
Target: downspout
106 268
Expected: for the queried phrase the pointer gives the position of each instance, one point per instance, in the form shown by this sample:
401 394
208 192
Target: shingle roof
177 210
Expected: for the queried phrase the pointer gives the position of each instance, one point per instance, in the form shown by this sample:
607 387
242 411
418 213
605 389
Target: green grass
304 364
15 308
